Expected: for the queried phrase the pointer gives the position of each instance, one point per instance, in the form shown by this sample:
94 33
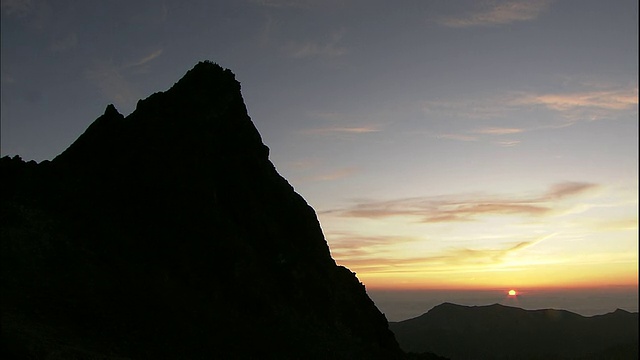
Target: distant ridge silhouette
168 234
503 332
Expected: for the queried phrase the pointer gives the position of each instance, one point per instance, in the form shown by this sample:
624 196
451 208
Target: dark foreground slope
502 332
169 234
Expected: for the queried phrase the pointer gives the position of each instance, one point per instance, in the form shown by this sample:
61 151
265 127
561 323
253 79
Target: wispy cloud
333 175
341 130
567 189
507 143
459 137
348 245
445 260
469 108
499 13
328 49
498 131
467 208
139 62
584 105
283 3
600 102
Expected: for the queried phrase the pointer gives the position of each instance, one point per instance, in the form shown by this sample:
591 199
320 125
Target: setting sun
512 293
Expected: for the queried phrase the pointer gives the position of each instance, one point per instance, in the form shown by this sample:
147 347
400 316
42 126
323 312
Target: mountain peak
111 111
172 230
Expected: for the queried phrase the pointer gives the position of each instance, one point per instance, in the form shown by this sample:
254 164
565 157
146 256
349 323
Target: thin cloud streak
499 131
459 137
329 49
501 13
572 107
567 189
335 175
283 3
612 100
145 59
600 103
347 130
352 246
508 143
452 259
462 208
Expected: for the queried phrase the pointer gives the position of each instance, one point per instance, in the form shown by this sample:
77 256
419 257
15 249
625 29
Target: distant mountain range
501 332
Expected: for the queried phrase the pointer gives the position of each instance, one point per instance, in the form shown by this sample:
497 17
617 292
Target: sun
513 293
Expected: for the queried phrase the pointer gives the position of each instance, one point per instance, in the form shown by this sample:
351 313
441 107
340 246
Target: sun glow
513 293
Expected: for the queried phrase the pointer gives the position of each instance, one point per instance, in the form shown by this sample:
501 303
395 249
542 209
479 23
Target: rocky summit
168 234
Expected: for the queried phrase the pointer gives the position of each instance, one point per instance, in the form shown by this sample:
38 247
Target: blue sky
442 143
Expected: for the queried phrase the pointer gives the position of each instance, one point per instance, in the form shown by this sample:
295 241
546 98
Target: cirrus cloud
458 208
498 13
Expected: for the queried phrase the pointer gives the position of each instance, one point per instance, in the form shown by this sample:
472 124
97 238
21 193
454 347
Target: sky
444 144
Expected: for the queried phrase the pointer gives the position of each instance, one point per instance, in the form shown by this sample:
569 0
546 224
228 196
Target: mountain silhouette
168 234
502 332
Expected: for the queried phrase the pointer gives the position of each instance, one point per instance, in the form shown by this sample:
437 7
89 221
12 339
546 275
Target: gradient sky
443 143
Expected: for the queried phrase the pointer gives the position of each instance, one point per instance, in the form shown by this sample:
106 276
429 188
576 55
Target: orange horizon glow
422 286
523 290
543 280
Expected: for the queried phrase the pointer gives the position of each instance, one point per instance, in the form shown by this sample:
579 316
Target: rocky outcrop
169 234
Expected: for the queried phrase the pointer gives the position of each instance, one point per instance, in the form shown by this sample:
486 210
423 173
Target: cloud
481 256
460 208
598 102
328 49
153 55
334 175
348 245
447 260
16 7
508 143
468 108
283 3
499 13
459 137
444 211
341 129
491 131
499 131
567 189
584 105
